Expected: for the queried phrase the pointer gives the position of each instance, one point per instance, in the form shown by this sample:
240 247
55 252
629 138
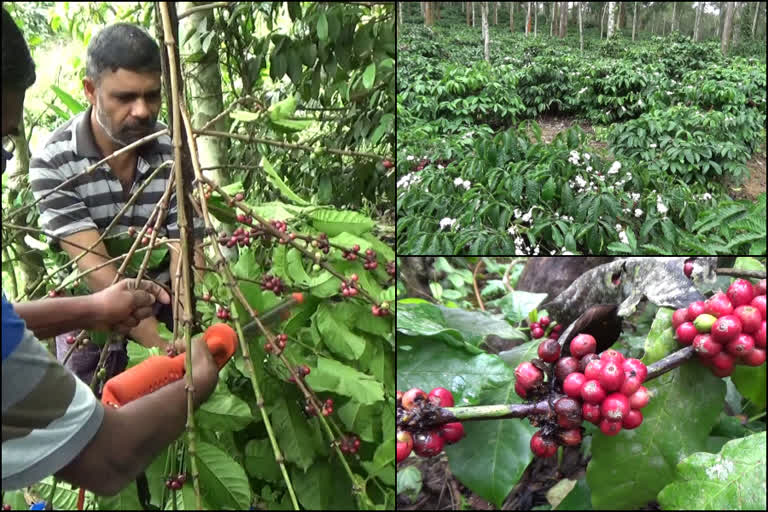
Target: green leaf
369 76
548 191
278 183
334 222
322 27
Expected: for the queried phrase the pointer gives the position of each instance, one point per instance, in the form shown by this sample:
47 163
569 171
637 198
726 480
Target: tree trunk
611 18
473 14
563 19
754 20
535 18
400 14
634 22
727 29
528 20
428 19
581 30
511 16
697 23
486 38
495 13
469 15
554 17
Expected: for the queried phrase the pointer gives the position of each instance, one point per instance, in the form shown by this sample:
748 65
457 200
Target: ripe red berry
724 362
428 444
565 366
719 305
740 292
537 332
542 447
583 344
705 346
240 217
70 339
452 432
639 398
635 367
726 328
387 164
611 376
441 397
585 360
535 325
754 358
570 437
695 309
759 304
750 318
239 196
549 350
520 390
591 412
594 369
592 392
741 346
175 485
412 398
566 422
614 407
610 428
632 420
305 370
688 267
528 375
544 321
760 336
404 445
685 333
573 383
569 408
679 316
759 288
612 355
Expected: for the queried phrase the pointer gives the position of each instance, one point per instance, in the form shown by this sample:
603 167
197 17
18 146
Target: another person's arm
146 331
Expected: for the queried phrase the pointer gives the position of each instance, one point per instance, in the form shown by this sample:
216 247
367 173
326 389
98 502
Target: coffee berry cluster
349 288
175 483
349 444
270 282
426 444
605 389
280 340
327 408
727 329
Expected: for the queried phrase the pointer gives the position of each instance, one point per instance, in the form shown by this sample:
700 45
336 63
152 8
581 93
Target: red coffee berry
239 196
592 392
535 325
240 217
594 369
404 445
614 407
750 318
719 305
583 344
566 366
452 432
612 355
723 361
566 422
441 397
573 383
759 304
726 328
558 328
570 437
695 309
585 360
610 428
632 420
387 164
740 292
70 339
175 485
590 412
549 350
182 478
679 316
528 375
611 376
428 444
537 332
635 367
760 336
688 267
741 346
759 288
685 333
305 370
705 346
542 447
544 321
639 398
754 358
520 390
412 398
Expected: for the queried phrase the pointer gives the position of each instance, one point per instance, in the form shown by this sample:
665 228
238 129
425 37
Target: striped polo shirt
95 198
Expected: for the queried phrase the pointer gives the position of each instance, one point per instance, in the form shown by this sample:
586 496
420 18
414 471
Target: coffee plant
478 175
646 407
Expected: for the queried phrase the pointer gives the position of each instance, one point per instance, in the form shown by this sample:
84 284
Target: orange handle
158 371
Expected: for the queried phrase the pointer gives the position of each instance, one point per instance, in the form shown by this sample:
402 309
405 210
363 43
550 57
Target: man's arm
146 332
50 317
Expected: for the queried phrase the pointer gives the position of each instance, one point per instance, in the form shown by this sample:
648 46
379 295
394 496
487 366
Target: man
122 84
52 423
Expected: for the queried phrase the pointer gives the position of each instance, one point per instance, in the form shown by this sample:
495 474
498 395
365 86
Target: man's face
13 106
125 104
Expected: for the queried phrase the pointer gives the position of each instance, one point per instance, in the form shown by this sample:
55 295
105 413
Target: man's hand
123 305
